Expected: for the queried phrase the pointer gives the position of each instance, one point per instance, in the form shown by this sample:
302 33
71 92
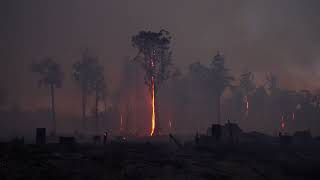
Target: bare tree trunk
84 102
128 114
156 111
105 105
97 115
105 117
218 109
53 110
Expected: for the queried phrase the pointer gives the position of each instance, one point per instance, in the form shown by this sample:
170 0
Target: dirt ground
155 160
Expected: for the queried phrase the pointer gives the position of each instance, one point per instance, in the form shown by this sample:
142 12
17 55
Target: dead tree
219 79
99 87
247 87
51 76
216 77
154 55
89 75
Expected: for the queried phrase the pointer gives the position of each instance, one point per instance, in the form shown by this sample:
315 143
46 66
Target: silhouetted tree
86 75
216 77
306 104
155 57
99 87
200 90
219 79
129 88
50 75
199 72
316 101
237 102
258 103
247 83
247 86
271 83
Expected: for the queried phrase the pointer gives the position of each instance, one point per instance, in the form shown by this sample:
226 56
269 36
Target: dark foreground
151 160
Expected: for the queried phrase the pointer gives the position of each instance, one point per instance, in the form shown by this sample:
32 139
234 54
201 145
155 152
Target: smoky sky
260 36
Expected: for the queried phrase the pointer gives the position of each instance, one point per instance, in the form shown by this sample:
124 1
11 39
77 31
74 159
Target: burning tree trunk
155 113
248 87
155 57
153 101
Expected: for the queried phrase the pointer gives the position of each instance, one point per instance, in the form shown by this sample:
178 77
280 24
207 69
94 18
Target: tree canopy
50 72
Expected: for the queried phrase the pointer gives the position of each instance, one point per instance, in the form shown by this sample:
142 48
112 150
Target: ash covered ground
160 159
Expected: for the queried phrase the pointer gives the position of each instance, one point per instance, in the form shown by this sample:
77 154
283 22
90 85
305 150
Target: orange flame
293 116
282 123
247 105
153 118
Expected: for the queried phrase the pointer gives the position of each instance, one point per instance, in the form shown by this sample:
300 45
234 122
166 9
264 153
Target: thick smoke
260 36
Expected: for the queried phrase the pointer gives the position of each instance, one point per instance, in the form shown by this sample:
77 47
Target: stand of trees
50 76
215 77
247 104
89 75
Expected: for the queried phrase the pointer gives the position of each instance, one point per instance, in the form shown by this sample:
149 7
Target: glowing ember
247 105
293 116
153 119
282 123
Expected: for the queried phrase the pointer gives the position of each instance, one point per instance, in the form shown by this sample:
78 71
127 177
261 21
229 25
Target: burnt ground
152 160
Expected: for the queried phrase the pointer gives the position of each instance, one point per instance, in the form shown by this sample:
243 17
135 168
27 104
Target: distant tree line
266 106
87 73
247 102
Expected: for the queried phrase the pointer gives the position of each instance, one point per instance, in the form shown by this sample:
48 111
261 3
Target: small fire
247 105
153 119
293 116
282 123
